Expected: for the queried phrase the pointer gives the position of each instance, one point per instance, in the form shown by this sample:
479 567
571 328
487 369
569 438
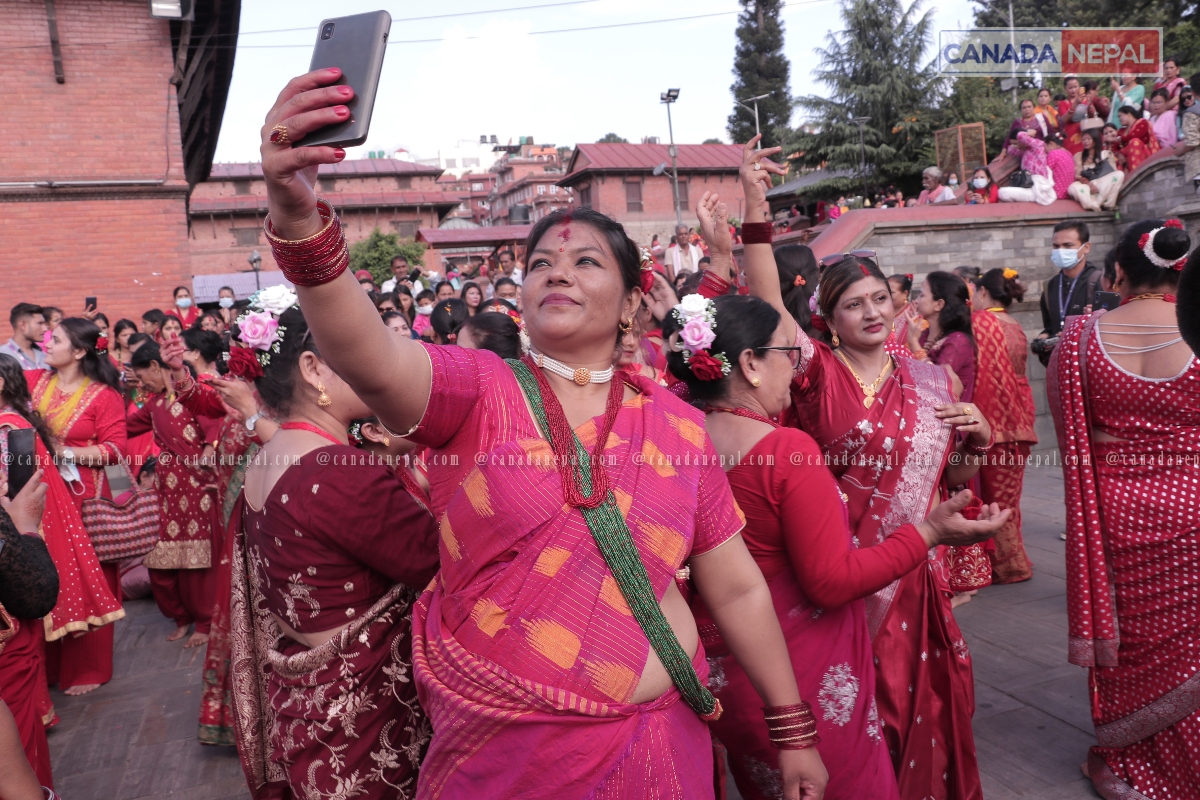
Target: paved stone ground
136 737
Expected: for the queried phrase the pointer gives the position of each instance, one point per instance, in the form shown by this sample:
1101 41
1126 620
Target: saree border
1174 706
1106 782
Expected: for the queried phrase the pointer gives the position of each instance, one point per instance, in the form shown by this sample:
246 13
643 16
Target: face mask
425 311
954 180
225 302
1064 259
980 183
184 302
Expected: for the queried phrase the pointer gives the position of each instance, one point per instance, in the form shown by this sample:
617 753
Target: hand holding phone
355 45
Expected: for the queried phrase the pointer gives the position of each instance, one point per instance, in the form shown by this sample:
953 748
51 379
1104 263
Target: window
633 197
327 184
554 188
451 163
683 194
541 188
477 187
403 182
585 195
241 187
470 162
405 230
246 237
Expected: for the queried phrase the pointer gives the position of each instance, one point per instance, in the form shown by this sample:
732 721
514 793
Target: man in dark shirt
1070 292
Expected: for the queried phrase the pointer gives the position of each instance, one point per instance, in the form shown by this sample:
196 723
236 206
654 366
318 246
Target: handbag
1104 167
125 530
1021 179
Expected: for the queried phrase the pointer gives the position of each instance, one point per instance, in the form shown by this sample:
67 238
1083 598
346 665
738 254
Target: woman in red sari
1137 139
555 655
1003 395
890 426
181 574
1124 391
80 400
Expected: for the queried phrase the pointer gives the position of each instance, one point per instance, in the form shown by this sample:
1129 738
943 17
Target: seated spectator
1171 82
1029 120
1163 119
1097 176
1189 143
983 189
935 192
1062 167
1095 107
1187 99
1072 109
1128 92
1045 107
1136 137
1032 151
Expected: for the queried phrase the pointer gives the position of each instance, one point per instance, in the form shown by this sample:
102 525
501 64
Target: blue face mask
184 302
1064 259
225 302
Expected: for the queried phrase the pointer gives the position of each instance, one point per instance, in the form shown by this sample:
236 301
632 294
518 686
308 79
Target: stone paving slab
136 737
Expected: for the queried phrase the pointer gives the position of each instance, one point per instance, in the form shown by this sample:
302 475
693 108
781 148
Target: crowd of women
623 541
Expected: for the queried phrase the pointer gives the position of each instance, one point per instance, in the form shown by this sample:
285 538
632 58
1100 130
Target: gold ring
968 411
279 135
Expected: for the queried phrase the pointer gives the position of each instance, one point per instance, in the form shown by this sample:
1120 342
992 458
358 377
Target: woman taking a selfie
555 655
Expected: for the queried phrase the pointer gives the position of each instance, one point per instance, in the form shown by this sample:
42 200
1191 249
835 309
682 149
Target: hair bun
1172 243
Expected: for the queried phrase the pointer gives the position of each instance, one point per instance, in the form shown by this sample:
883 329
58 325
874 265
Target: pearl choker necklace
582 376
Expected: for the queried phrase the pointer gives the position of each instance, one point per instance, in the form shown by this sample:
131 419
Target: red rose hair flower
244 364
705 367
102 344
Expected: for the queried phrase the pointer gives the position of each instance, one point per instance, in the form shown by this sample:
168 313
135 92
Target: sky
493 73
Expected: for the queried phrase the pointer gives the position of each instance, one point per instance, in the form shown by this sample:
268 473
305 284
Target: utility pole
754 100
862 153
667 98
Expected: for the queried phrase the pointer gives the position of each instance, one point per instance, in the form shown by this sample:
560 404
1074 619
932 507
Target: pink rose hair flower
258 330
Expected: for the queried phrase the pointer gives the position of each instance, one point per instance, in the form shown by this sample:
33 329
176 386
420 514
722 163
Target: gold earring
836 340
323 400
626 327
387 441
756 381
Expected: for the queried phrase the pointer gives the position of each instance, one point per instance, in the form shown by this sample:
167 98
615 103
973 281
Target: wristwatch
253 420
68 455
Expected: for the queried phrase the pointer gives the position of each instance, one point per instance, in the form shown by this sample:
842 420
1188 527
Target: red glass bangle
791 727
980 451
317 259
757 232
712 285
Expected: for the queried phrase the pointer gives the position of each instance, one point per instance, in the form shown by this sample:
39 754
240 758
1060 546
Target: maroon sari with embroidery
1133 562
889 461
338 542
180 564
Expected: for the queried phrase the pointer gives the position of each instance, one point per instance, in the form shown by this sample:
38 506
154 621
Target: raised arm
393 376
762 277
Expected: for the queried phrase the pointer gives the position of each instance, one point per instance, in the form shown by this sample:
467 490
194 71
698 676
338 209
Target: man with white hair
935 192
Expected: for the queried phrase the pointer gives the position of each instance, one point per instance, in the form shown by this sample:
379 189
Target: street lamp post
255 264
754 100
862 153
668 97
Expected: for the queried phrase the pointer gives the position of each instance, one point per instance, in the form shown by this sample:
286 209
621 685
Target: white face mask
953 180
980 183
425 311
1063 258
225 302
184 302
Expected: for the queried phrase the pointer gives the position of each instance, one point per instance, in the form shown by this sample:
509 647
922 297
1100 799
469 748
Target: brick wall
114 119
658 201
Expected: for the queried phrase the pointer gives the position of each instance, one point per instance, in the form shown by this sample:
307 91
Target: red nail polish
339 153
345 91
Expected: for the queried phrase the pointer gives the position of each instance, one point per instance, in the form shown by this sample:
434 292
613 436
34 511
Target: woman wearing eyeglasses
888 425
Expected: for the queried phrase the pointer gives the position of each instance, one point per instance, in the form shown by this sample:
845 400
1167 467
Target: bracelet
791 727
975 450
712 285
757 232
317 259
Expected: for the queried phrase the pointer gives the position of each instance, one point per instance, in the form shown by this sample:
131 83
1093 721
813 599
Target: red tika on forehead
866 272
565 233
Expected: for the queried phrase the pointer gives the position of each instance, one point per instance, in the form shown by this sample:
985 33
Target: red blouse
336 533
795 518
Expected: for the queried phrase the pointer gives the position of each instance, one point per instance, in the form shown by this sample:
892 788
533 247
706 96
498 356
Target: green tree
611 138
874 68
760 67
375 254
712 141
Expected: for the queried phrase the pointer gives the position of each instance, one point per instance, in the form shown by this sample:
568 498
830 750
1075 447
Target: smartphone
89 303
22 460
1106 300
356 46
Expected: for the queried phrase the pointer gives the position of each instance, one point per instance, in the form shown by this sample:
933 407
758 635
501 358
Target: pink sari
1133 562
889 461
525 652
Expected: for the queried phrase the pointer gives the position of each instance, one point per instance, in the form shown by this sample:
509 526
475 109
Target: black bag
1021 179
1105 167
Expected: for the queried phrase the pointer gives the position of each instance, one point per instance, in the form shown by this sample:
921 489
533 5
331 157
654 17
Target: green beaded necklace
616 544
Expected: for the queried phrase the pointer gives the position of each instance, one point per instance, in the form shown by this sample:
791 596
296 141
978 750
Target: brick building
113 115
527 187
474 189
619 180
228 210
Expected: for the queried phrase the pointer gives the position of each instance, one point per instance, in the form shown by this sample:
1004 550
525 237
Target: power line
439 16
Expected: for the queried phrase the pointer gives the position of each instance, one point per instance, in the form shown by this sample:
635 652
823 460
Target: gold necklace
870 391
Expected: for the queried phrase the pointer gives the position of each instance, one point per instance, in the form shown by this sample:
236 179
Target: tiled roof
639 157
255 202
488 234
358 166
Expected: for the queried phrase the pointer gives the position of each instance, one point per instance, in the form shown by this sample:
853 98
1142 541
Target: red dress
338 542
92 416
889 461
186 318
1133 562
1138 143
21 680
180 564
818 577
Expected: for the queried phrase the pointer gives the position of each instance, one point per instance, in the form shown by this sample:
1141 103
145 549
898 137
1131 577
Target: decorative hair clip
698 317
102 344
1146 244
1010 273
354 434
814 302
799 281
